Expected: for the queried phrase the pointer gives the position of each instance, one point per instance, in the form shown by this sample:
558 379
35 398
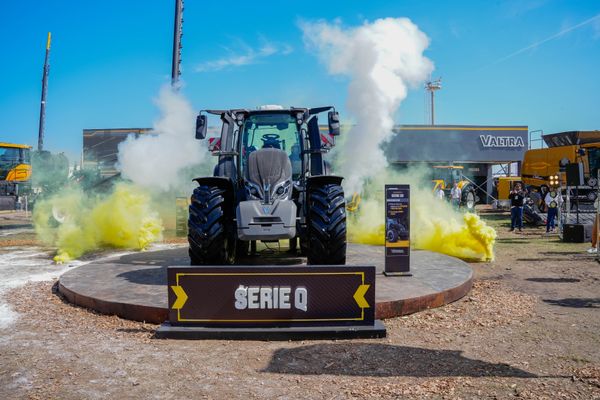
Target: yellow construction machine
15 168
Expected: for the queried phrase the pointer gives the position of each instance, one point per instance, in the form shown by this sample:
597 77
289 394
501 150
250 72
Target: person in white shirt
440 194
594 248
455 195
553 201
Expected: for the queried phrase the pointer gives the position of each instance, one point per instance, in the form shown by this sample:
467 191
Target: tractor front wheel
211 242
326 241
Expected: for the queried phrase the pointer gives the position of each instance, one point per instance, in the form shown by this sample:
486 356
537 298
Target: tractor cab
15 163
269 136
15 168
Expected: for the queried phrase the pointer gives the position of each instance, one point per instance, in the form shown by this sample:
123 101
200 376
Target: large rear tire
326 225
211 242
469 198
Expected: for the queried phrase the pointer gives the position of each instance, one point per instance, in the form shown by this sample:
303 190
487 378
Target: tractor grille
266 220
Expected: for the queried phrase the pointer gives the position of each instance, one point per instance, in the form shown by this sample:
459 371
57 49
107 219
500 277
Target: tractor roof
14 146
271 109
571 138
448 166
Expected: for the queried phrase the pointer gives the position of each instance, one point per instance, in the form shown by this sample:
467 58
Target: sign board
397 229
445 143
272 296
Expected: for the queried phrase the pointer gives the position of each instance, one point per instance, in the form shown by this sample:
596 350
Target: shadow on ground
562 253
146 276
162 259
575 302
367 359
513 240
15 226
553 280
179 256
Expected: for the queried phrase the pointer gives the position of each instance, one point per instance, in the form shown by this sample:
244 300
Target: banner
271 296
397 229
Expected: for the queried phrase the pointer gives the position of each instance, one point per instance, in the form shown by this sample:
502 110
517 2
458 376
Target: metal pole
559 208
44 90
597 204
432 109
177 34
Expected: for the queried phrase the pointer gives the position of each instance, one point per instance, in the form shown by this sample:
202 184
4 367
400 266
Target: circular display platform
134 286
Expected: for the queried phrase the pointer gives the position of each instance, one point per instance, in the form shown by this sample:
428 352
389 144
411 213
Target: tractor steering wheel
268 137
271 140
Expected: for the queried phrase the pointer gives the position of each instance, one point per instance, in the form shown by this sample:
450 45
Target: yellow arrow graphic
359 296
181 297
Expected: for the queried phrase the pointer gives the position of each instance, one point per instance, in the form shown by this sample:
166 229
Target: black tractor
269 184
395 231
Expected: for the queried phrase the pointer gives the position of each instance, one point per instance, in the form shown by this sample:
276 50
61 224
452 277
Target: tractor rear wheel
469 199
326 241
211 242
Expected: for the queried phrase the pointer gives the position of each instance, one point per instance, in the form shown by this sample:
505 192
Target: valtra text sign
271 295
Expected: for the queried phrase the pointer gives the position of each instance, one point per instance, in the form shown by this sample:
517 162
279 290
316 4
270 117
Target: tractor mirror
334 123
201 126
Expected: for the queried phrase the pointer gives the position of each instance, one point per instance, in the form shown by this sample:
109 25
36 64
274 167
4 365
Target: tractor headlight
282 190
253 192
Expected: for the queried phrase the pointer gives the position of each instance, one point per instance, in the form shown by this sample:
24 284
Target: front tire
326 225
210 240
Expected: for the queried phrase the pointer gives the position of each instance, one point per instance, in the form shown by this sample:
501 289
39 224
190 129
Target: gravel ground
529 328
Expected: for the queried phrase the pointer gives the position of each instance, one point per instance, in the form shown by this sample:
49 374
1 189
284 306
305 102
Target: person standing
517 198
553 201
455 195
594 248
440 193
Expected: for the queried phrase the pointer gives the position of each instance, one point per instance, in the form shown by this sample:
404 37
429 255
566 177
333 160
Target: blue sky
513 62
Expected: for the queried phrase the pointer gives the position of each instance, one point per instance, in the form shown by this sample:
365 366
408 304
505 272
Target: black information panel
271 296
397 229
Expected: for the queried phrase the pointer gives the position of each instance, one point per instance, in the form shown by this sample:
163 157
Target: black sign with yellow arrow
271 296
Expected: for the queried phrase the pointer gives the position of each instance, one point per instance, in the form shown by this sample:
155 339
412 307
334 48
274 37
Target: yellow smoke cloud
122 219
435 225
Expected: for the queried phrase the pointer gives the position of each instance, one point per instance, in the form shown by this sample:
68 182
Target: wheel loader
270 184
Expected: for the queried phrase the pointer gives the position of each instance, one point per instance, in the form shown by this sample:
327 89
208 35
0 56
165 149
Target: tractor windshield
10 157
594 161
278 131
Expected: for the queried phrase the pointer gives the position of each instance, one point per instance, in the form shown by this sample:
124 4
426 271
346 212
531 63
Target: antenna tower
431 87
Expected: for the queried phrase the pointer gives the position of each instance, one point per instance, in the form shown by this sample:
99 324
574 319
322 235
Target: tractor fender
223 183
219 181
323 180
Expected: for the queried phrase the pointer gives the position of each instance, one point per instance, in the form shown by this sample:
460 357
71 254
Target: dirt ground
530 328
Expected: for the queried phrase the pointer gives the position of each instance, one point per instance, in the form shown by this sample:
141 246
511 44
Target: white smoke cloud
382 59
247 56
161 160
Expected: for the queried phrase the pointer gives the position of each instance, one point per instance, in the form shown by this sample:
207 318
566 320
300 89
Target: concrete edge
134 312
398 308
